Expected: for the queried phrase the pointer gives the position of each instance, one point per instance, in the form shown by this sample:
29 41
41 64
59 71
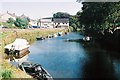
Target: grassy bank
9 35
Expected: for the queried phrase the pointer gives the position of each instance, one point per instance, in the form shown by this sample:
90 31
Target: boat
59 33
50 36
73 40
12 58
86 38
55 35
66 33
35 70
18 48
40 38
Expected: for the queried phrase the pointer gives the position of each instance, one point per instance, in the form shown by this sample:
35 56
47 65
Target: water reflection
115 56
61 59
75 60
99 66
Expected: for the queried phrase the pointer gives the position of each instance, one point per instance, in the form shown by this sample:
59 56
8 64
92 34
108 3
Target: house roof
4 17
61 20
23 16
13 15
47 18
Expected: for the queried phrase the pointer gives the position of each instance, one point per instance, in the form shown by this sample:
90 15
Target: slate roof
61 20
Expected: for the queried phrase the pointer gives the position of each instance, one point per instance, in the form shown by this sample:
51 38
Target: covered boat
40 38
35 70
18 48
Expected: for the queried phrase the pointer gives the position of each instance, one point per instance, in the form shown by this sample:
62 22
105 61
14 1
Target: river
74 59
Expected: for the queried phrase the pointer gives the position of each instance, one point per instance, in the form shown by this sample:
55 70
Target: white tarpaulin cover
18 44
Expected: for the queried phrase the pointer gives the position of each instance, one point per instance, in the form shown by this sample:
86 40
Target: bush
6 74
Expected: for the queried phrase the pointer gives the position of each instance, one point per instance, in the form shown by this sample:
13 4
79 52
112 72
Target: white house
53 22
45 22
61 22
33 23
4 17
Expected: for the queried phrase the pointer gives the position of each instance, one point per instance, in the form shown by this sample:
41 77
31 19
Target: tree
114 15
73 22
61 15
21 22
10 20
73 19
98 16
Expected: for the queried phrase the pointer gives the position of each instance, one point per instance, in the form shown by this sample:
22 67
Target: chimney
14 14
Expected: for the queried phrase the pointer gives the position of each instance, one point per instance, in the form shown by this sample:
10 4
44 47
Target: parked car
34 26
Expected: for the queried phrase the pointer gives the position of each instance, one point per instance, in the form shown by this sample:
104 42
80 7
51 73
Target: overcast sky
39 8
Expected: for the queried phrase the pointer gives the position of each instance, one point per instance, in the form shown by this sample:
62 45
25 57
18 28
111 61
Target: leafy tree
113 17
21 22
10 20
61 15
28 19
99 16
73 21
78 14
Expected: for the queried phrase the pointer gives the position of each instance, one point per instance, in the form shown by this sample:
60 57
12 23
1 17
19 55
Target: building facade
61 22
4 17
54 22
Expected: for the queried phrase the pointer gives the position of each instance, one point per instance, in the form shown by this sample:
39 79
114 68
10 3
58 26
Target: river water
75 59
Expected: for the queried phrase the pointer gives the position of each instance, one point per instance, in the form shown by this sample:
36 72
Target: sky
39 8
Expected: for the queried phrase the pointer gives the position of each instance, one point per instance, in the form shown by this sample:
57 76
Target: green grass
6 74
2 35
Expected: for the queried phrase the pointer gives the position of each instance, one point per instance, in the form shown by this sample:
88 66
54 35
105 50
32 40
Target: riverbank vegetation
96 17
73 20
9 35
101 21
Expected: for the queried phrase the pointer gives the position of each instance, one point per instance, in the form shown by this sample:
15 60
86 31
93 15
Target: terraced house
5 16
